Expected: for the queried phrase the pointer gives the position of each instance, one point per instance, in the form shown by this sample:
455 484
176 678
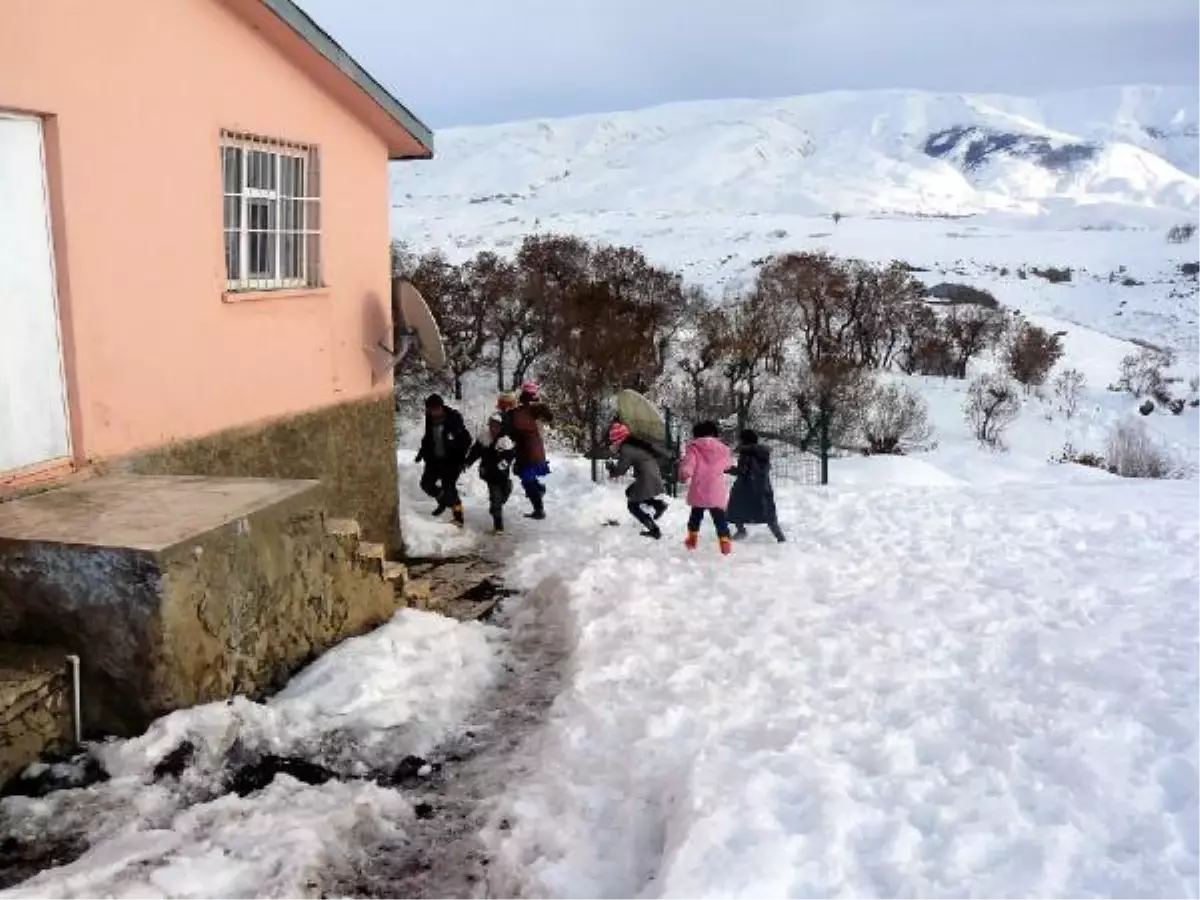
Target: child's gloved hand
504 444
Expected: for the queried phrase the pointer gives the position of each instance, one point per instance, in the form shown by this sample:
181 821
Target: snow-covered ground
935 689
965 674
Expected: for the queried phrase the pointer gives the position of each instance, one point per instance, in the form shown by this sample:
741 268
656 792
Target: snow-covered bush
896 421
1181 234
1052 274
1084 458
1142 372
993 403
1068 388
1133 453
1031 353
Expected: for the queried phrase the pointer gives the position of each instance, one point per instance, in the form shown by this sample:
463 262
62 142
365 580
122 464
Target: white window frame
305 231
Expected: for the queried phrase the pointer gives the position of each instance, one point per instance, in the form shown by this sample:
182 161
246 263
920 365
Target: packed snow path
441 854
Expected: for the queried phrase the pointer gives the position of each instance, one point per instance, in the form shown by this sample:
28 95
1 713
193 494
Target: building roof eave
300 22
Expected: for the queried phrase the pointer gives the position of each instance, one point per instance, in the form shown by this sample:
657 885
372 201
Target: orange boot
726 546
692 540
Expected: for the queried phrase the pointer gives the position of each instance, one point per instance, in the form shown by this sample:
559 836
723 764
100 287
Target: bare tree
1132 453
831 397
1142 372
612 327
549 267
896 421
651 297
969 331
924 345
403 259
493 286
705 350
1031 353
993 403
1181 234
1068 387
759 323
461 312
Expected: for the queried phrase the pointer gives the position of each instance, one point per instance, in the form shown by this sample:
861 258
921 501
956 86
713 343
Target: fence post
594 441
669 419
824 448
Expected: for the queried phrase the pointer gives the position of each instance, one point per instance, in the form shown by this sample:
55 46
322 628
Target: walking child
640 456
522 424
752 500
703 468
495 453
443 449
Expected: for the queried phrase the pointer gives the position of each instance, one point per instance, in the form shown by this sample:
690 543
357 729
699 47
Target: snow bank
928 692
360 708
394 691
272 844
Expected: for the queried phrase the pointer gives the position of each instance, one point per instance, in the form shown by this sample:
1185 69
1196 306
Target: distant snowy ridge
859 153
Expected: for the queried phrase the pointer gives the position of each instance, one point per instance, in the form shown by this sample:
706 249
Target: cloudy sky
467 62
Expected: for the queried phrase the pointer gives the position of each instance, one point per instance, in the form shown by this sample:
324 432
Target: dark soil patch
255 776
61 773
173 764
21 859
486 590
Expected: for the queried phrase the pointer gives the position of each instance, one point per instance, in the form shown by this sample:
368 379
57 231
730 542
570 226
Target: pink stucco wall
136 93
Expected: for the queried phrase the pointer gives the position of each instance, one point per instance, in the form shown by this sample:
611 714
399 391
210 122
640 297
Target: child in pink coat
703 469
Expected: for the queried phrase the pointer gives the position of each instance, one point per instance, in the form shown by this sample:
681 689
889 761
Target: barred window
272 213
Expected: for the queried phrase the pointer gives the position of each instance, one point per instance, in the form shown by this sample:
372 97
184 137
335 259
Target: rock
35 706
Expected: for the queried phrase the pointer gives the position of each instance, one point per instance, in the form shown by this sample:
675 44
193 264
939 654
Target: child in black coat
494 452
752 501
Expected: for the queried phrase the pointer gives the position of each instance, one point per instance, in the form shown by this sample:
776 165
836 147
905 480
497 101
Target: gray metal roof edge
319 39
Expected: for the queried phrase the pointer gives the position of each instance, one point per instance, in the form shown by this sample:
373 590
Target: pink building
194 247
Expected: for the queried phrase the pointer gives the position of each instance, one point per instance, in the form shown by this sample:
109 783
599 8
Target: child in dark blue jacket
494 452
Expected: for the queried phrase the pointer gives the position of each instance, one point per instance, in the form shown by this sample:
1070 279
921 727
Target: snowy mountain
859 153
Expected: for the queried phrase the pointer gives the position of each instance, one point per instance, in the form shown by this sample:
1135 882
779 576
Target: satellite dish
415 327
418 319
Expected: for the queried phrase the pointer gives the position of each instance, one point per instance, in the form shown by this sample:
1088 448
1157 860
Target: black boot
536 492
660 507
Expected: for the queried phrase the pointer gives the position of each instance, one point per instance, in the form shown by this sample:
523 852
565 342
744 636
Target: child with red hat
645 461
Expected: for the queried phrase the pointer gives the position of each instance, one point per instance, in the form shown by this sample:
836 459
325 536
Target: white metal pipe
76 715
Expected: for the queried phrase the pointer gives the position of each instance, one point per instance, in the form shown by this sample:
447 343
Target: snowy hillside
859 153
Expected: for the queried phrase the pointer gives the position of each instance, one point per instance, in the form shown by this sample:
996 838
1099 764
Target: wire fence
799 453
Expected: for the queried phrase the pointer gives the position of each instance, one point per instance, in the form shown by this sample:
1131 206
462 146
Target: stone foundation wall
234 610
350 448
35 708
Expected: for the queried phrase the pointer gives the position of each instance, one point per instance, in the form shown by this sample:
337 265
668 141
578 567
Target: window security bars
272 213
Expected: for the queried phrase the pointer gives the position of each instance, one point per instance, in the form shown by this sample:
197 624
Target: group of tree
807 340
